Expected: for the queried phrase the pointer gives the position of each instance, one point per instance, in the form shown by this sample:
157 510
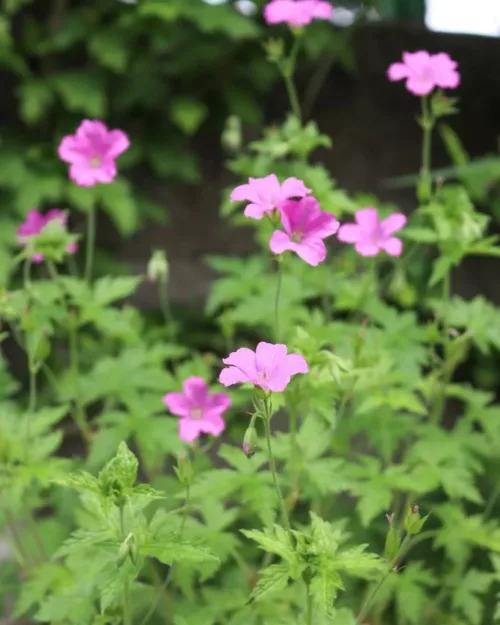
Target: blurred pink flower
424 71
266 194
371 235
92 152
200 412
305 226
297 13
270 367
35 223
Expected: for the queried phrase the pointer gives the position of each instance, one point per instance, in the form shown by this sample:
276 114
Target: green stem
277 304
428 125
293 448
309 607
287 71
492 501
17 539
164 303
32 399
284 511
52 270
127 614
449 367
170 573
367 604
79 413
27 273
89 260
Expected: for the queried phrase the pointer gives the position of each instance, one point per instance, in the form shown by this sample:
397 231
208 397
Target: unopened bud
390 518
184 470
232 135
158 266
250 441
413 521
127 549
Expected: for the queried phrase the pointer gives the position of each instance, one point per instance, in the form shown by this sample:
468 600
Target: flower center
263 376
95 161
296 237
197 413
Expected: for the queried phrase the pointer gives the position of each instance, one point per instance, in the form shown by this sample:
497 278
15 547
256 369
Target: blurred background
188 80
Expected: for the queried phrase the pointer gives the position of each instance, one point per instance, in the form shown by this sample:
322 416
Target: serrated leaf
176 550
272 579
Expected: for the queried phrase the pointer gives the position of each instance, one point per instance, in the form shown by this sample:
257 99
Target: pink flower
370 235
423 72
297 13
200 412
34 225
269 367
305 228
92 152
267 194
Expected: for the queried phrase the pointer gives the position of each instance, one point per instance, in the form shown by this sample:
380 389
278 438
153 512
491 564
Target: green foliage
365 492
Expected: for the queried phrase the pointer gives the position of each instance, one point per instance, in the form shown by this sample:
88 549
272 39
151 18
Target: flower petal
71 150
216 404
196 391
295 363
255 211
268 356
232 375
312 251
293 187
280 242
349 233
178 404
189 429
393 246
323 225
118 142
366 249
420 85
214 425
393 223
368 219
397 71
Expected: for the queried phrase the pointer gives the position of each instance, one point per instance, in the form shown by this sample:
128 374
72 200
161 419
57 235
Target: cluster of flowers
92 152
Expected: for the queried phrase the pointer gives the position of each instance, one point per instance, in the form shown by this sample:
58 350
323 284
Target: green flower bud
184 470
393 540
158 266
413 521
250 441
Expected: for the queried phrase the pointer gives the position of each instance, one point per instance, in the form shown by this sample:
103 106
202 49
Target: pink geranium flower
266 194
371 235
305 227
297 13
35 223
423 72
270 367
92 152
199 411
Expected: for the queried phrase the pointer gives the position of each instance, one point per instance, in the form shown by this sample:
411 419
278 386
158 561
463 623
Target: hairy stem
309 607
284 511
91 232
79 412
277 305
427 126
287 71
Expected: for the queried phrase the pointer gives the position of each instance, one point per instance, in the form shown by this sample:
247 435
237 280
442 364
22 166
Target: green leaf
81 92
271 580
108 290
117 200
120 472
176 550
109 46
324 586
36 97
275 541
188 114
